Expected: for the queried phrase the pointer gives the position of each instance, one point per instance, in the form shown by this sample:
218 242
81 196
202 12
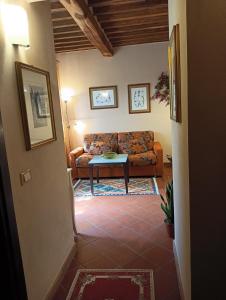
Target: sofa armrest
72 158
75 154
159 153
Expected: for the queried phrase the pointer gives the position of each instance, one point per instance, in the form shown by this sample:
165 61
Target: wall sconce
15 22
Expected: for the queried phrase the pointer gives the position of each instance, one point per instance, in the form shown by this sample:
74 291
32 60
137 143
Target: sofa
145 155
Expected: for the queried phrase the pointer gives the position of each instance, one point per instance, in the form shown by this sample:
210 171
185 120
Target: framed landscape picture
103 97
139 98
36 105
174 74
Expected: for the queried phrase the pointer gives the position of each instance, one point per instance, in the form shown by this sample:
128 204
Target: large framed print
36 105
103 97
139 98
174 74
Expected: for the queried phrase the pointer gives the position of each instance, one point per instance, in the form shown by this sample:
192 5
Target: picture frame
36 105
175 74
139 98
103 97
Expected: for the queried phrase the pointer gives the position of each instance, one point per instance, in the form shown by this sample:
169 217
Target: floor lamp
66 96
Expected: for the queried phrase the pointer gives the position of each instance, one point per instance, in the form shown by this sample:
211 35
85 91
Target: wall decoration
162 89
36 105
174 74
139 98
103 97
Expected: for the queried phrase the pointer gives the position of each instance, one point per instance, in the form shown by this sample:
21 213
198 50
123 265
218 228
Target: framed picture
36 105
174 74
139 98
103 97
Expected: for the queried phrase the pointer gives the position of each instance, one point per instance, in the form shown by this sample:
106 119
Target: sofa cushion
109 140
83 160
134 146
125 138
143 159
98 147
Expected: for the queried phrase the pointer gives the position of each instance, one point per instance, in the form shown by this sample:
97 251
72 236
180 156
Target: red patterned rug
112 285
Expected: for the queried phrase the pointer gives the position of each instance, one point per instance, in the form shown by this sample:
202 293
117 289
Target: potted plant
168 208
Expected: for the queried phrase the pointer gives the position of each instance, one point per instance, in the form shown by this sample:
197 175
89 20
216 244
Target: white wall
42 206
177 15
131 64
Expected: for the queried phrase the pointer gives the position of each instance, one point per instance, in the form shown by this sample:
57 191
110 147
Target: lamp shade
15 22
67 94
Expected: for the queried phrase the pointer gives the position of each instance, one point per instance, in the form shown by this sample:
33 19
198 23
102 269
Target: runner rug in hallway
112 285
116 187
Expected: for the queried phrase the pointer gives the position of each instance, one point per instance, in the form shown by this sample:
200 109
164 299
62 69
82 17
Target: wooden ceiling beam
69 40
63 23
73 48
65 29
73 44
59 36
56 15
56 5
130 7
81 14
137 38
139 34
101 3
136 42
134 22
141 14
135 28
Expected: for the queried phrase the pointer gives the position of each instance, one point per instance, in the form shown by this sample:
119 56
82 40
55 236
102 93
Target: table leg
127 165
126 177
91 178
97 174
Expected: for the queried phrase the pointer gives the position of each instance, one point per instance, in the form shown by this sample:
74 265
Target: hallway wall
177 15
42 206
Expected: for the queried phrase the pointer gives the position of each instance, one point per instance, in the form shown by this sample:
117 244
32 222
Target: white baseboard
178 272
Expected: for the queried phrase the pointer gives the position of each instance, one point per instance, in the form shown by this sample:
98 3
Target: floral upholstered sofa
145 154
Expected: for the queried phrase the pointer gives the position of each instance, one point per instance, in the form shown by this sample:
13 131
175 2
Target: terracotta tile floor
125 232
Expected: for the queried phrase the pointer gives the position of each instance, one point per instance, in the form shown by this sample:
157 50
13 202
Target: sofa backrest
125 138
100 142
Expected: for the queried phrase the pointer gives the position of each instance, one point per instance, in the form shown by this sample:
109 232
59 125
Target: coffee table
99 161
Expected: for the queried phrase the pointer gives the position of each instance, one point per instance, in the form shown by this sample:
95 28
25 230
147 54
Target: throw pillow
97 148
135 146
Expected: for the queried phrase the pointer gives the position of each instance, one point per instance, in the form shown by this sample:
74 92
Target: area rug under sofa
112 285
116 187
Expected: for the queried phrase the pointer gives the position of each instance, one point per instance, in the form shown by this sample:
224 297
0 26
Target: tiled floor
125 232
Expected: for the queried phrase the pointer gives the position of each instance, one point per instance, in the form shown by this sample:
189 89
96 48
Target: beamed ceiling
105 24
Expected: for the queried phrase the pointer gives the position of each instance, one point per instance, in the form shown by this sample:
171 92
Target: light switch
25 176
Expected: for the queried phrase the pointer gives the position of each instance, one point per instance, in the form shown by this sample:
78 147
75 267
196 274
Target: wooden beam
58 36
135 33
98 3
80 12
65 29
152 40
131 7
134 22
152 12
136 28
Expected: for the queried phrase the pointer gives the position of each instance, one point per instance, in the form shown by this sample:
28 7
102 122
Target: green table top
118 159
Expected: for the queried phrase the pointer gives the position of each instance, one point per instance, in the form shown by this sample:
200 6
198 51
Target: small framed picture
139 98
36 105
103 97
174 74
